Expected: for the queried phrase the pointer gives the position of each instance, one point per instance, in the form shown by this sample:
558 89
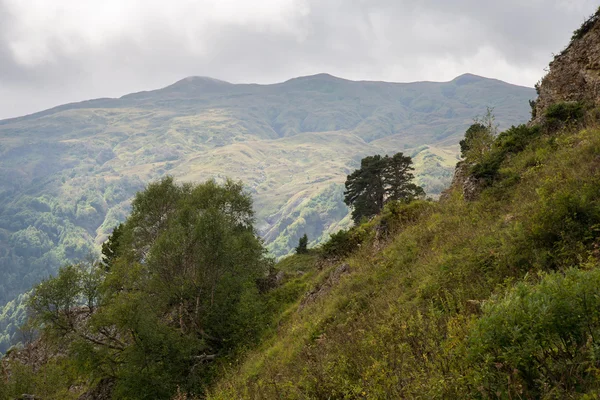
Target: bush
397 214
559 114
511 141
565 222
343 242
541 339
515 139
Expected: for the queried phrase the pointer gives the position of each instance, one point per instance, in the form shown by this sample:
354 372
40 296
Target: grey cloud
396 40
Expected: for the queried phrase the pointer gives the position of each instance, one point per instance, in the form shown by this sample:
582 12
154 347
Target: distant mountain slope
67 174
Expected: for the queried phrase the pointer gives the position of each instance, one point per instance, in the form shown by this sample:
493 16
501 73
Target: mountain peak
195 80
193 83
467 78
317 77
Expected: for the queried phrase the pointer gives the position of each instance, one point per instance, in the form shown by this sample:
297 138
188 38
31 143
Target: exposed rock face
465 182
575 73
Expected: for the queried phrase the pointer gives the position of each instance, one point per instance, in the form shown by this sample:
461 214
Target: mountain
492 292
67 174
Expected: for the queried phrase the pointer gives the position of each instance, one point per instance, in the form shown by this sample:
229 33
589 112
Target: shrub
539 339
559 114
565 222
515 139
511 141
397 214
343 242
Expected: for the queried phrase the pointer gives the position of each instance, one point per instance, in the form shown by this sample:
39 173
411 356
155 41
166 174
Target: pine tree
379 180
302 245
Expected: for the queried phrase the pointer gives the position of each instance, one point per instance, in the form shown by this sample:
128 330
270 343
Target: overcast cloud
58 51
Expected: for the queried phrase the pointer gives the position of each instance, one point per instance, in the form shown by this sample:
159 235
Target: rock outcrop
574 74
464 182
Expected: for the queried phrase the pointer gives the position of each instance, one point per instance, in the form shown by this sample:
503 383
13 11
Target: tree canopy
379 180
176 288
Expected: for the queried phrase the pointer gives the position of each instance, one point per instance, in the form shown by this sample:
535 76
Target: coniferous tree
365 190
398 179
302 245
379 180
110 247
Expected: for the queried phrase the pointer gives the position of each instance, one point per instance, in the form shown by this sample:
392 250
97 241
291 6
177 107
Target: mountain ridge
194 79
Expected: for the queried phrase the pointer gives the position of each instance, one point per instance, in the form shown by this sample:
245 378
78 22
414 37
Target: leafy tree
379 180
479 138
176 289
302 244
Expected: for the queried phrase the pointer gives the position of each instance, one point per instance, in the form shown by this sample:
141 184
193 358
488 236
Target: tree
177 288
379 180
110 247
479 138
365 190
398 179
302 243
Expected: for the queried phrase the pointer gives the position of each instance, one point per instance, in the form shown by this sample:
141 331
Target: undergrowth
495 298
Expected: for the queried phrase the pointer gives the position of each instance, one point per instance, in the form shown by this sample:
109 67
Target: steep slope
67 174
492 297
574 74
453 299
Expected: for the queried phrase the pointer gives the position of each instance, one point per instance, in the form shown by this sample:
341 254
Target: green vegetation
559 114
542 335
378 181
180 291
302 245
492 298
67 175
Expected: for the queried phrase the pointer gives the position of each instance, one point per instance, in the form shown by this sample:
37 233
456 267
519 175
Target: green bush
511 141
566 221
540 341
559 114
397 214
516 138
343 242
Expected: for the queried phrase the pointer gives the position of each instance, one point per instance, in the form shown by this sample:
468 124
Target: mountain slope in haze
67 174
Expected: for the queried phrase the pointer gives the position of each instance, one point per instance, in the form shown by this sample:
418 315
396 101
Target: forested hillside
67 175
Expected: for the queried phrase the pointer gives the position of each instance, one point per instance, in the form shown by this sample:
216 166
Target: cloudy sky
58 51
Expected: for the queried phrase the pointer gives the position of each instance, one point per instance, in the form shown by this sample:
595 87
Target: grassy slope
67 174
70 171
402 322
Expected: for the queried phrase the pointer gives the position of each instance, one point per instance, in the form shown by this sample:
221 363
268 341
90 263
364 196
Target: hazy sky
58 51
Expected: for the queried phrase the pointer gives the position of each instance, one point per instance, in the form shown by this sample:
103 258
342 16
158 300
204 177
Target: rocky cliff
574 74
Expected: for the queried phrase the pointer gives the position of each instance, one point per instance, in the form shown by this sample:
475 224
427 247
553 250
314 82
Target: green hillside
493 298
67 175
